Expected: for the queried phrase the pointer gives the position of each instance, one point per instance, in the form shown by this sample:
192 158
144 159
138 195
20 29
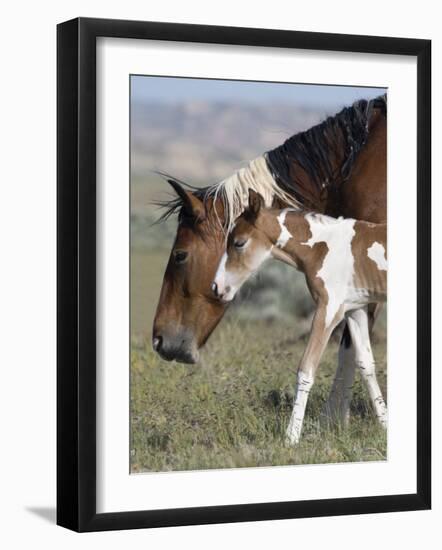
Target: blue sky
174 90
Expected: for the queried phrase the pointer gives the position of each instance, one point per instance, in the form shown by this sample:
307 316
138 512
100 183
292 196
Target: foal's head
248 246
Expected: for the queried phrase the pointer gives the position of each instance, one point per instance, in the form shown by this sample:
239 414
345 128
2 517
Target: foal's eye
240 243
180 256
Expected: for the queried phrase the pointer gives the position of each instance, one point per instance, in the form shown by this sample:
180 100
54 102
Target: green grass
231 409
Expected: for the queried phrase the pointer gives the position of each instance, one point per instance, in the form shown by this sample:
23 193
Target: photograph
258 274
218 275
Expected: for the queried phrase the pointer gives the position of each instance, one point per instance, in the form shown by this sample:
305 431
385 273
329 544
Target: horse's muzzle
175 348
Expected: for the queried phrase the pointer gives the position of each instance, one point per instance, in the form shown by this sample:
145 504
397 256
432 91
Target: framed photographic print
228 346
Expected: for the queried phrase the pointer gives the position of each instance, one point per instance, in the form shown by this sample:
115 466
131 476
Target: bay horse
337 167
345 266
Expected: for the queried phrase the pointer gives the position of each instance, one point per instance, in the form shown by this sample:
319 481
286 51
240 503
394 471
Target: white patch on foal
376 252
285 234
338 266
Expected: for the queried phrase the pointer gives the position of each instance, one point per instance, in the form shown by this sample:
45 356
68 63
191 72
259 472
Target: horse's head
187 311
248 246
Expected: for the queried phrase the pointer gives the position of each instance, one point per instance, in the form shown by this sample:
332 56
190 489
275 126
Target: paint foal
345 268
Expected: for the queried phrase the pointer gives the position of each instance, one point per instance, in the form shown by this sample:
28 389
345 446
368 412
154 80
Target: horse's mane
341 136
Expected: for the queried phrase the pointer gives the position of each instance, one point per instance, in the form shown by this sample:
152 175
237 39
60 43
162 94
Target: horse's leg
318 338
358 324
337 407
373 311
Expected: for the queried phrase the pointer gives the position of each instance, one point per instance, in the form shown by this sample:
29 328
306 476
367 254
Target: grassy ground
232 409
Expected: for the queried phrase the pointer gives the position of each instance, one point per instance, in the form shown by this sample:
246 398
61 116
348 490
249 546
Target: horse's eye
240 243
180 256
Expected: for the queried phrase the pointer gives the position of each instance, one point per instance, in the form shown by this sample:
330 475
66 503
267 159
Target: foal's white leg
304 384
337 408
318 339
358 324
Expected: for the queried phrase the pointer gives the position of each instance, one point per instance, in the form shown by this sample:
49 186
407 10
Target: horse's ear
193 206
256 202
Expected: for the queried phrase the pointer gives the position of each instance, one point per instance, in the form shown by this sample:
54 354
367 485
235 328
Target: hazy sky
173 90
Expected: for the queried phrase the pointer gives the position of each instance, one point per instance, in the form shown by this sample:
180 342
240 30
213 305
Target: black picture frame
76 273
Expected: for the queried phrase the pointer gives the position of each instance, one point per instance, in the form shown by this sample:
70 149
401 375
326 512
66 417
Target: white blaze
229 280
376 252
220 276
337 269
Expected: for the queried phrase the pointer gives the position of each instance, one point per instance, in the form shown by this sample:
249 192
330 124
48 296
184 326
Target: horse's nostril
215 288
156 343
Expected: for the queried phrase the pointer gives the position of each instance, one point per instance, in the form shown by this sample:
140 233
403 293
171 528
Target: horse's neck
287 236
368 179
309 192
321 190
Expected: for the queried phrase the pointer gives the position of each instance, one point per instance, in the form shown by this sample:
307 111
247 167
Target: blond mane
234 190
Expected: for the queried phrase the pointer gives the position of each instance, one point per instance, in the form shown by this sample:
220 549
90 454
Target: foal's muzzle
220 292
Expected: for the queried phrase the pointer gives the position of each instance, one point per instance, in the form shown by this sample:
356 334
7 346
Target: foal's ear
256 202
193 206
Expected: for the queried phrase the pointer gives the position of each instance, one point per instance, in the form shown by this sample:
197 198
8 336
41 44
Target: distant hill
205 142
